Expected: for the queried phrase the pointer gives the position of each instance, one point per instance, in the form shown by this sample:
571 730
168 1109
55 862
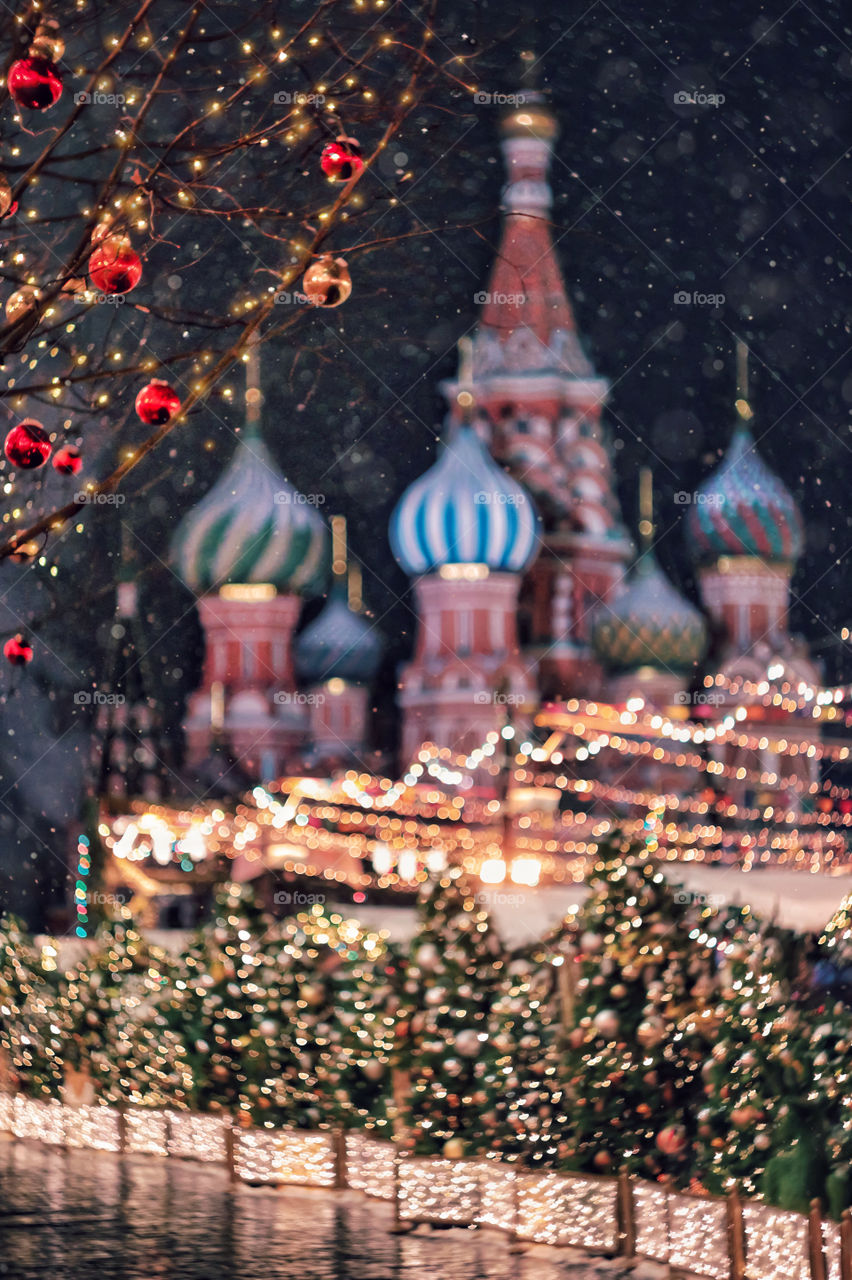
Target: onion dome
743 509
464 510
649 624
252 527
338 644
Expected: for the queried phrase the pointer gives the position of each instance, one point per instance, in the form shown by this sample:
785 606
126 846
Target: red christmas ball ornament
18 651
27 445
327 281
341 159
672 1140
67 460
157 403
34 83
115 266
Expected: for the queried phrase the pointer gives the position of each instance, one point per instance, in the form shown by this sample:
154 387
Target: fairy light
81 891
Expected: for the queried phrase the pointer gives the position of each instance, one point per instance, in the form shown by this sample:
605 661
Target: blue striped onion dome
252 527
464 510
338 644
743 509
649 624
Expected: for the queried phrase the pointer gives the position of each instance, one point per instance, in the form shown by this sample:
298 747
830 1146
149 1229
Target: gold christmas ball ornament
454 1149
327 282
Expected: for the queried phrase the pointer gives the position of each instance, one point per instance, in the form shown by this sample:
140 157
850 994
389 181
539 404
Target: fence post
341 1180
626 1215
516 1245
816 1244
122 1127
736 1236
846 1245
399 1227
231 1151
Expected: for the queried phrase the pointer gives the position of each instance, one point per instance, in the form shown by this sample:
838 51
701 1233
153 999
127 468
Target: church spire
254 395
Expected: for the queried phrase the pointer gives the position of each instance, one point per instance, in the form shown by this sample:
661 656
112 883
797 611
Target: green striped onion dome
649 624
743 509
252 527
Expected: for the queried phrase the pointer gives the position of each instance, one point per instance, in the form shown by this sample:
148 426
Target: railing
720 1238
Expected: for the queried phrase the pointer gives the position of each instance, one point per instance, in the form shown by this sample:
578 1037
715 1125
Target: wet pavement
82 1215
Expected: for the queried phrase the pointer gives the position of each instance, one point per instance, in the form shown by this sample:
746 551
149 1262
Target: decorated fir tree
443 1058
629 1088
527 1025
32 1022
770 1091
108 1000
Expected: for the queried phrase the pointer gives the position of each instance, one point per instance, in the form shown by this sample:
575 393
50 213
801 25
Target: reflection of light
192 844
122 847
635 704
161 845
492 871
382 859
525 871
406 867
436 860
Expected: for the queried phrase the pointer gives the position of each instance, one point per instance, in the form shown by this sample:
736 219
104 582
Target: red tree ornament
157 403
341 159
34 83
67 460
115 266
27 445
672 1140
18 651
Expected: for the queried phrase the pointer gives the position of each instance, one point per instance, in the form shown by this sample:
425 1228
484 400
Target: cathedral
527 586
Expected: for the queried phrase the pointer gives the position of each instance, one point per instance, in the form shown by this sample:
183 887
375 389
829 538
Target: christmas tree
31 1017
445 1062
629 1086
107 1001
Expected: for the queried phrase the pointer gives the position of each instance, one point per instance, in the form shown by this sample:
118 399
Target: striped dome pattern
649 625
338 644
743 509
464 510
252 527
